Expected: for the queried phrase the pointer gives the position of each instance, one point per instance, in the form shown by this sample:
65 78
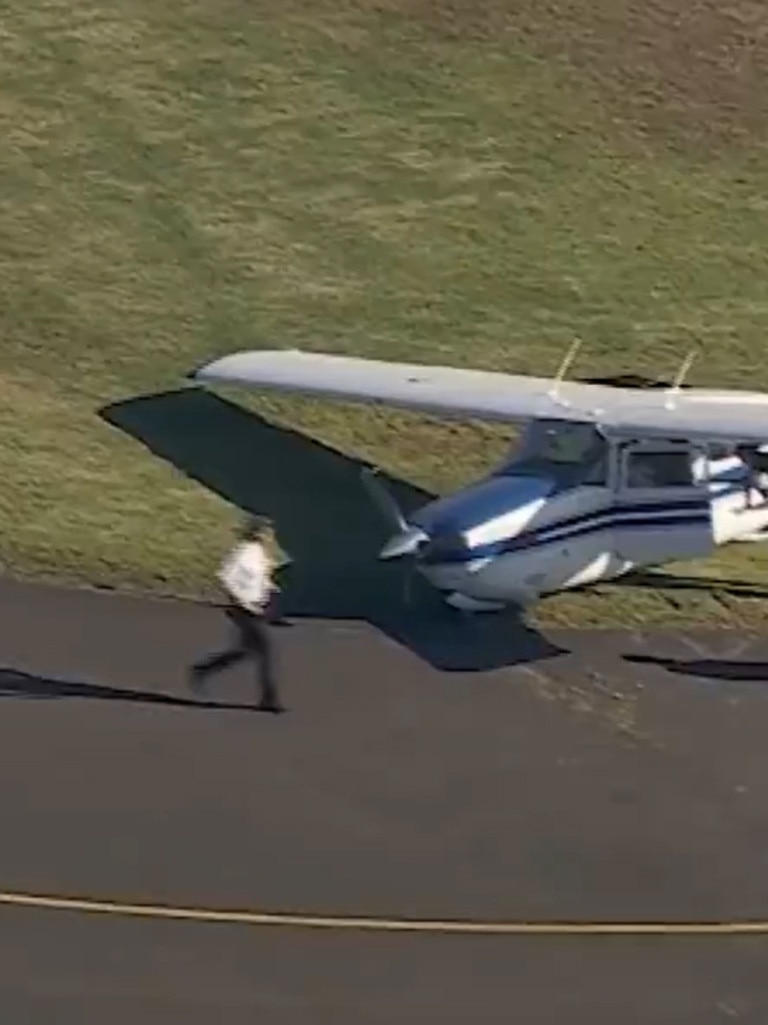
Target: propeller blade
403 543
407 538
408 587
383 500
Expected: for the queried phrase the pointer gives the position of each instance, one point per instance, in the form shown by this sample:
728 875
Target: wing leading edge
445 391
727 416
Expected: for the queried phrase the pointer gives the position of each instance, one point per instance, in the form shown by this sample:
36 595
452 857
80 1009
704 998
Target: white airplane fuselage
517 535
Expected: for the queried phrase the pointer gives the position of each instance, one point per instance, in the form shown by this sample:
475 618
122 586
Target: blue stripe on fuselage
494 496
464 510
613 520
637 517
481 502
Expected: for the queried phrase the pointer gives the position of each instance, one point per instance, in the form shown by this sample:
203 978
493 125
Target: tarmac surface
600 778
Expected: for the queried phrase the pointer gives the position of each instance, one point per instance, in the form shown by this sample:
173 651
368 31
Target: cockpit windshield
571 453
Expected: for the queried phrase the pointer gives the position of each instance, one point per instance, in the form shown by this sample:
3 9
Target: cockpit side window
596 473
571 453
561 442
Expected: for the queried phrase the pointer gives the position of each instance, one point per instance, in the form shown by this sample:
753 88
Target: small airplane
603 480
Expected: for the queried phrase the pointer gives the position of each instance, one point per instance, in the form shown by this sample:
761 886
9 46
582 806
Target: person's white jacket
246 575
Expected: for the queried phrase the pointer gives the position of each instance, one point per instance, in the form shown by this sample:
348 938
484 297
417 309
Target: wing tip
199 372
193 375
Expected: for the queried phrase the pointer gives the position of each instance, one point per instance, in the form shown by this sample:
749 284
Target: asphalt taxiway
603 778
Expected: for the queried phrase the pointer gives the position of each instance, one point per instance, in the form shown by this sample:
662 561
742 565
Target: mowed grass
408 180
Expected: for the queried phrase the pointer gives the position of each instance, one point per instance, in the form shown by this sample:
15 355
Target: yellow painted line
368 924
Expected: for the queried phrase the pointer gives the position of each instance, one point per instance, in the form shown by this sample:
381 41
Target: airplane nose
404 543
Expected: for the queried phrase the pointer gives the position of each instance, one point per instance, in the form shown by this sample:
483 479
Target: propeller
382 498
408 578
407 538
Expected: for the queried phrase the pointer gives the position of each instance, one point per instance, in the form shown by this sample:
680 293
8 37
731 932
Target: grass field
413 179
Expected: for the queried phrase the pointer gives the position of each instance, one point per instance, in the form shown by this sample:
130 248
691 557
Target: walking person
247 578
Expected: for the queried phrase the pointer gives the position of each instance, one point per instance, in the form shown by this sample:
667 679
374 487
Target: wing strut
564 367
680 376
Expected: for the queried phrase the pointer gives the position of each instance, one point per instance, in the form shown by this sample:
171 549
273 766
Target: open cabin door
663 511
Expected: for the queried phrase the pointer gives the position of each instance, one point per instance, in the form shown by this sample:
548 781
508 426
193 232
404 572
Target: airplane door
662 512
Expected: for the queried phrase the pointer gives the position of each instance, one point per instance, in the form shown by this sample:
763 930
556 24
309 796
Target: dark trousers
252 640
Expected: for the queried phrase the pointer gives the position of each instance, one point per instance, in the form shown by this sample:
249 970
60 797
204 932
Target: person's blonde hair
256 528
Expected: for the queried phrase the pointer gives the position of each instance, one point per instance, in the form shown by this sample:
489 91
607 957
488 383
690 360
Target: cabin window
596 473
563 443
570 453
660 470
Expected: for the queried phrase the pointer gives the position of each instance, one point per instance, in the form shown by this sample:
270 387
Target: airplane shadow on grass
325 521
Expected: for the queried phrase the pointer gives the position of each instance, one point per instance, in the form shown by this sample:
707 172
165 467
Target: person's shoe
277 619
270 706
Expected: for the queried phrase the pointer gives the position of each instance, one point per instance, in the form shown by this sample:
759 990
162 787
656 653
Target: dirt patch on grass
685 72
691 71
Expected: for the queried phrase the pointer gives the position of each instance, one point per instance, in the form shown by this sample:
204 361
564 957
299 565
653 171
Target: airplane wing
695 414
445 391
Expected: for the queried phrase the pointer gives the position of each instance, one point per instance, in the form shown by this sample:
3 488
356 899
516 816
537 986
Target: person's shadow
15 683
326 522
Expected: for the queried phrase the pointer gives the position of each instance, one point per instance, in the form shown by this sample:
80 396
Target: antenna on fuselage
564 367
